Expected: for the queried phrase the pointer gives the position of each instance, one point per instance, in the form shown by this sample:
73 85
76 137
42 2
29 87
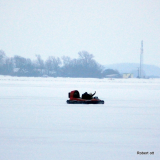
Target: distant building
113 76
127 75
16 69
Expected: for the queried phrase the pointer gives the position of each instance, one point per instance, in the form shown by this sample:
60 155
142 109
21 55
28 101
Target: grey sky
111 30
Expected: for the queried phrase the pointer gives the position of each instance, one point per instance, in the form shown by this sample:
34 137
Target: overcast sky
111 30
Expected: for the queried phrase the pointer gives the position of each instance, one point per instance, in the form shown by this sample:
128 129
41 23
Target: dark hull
85 102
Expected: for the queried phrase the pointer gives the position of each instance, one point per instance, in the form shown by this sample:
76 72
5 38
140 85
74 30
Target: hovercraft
74 98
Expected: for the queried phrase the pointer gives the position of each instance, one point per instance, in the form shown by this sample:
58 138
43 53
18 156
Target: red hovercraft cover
74 98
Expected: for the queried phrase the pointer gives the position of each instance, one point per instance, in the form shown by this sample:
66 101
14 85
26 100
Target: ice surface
37 124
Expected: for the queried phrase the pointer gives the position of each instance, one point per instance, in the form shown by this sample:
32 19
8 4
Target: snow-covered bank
36 122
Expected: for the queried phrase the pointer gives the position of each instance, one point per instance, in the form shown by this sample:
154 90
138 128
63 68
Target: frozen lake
37 124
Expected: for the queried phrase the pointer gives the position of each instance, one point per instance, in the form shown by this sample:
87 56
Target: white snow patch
36 123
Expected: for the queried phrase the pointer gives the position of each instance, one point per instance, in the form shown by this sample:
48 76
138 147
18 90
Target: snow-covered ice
37 124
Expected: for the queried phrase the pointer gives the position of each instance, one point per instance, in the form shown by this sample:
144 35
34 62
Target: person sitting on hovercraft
88 96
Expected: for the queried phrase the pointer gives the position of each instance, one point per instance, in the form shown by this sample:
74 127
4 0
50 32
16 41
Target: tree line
83 66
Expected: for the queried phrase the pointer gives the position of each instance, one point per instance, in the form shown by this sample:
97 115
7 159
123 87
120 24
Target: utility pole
141 61
138 72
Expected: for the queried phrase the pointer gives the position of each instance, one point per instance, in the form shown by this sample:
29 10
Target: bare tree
39 62
85 56
2 57
52 64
